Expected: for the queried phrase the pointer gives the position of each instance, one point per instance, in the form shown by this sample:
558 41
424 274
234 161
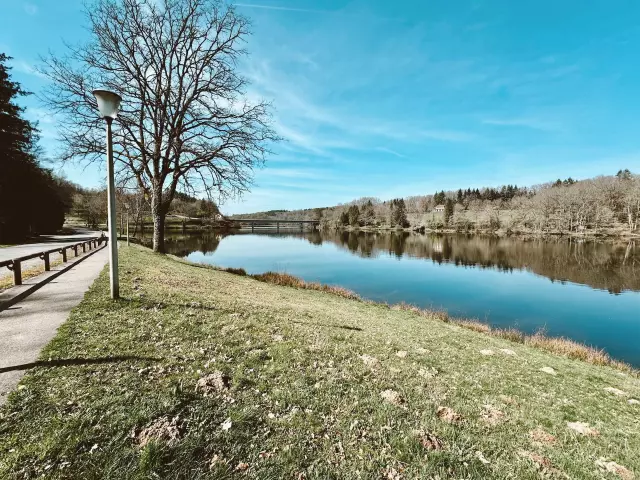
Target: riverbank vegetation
198 373
606 205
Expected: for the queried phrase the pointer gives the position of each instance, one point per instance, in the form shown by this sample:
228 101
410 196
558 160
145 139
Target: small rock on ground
401 353
487 351
548 370
507 351
633 401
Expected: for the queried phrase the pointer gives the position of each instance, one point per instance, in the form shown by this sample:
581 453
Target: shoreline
561 346
494 233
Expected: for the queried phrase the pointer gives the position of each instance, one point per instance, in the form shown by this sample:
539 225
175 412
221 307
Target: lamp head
108 103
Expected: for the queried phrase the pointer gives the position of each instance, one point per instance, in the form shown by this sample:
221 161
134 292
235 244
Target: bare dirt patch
163 429
616 469
215 382
543 464
448 415
583 429
540 436
491 415
430 441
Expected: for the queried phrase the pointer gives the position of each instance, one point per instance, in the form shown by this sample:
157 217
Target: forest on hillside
601 205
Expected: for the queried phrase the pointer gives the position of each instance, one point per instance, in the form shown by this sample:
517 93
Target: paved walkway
30 324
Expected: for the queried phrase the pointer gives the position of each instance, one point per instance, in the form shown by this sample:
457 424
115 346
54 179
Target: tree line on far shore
605 204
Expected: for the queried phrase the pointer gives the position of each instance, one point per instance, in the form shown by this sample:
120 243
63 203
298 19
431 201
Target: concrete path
29 325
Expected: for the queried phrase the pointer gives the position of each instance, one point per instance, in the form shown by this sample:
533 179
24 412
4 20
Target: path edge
13 295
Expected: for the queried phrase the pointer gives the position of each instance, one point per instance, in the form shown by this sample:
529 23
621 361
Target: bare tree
185 122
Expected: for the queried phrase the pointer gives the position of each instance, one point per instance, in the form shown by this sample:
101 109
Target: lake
584 290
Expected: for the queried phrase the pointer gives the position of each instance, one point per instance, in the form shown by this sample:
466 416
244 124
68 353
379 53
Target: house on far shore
439 208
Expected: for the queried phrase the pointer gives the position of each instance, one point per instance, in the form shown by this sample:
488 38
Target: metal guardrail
15 264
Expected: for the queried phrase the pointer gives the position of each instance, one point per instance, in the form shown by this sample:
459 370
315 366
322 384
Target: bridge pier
278 227
253 226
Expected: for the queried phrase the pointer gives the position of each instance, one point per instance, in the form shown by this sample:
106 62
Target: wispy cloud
392 152
276 7
526 122
30 8
26 67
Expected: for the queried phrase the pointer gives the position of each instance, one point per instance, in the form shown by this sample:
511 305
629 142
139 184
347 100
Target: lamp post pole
108 105
113 238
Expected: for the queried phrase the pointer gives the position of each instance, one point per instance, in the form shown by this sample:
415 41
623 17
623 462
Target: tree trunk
158 213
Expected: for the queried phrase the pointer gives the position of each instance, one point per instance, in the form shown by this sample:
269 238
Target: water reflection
612 266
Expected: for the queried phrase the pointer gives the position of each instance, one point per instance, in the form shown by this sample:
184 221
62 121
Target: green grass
307 371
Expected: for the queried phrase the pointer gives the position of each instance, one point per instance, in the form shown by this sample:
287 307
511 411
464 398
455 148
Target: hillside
198 373
605 205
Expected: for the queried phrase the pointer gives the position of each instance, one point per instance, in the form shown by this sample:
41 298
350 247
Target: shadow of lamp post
108 105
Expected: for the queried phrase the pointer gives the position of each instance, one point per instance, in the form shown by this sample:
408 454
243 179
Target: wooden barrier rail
15 265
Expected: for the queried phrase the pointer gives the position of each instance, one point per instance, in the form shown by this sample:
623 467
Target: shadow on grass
328 325
62 362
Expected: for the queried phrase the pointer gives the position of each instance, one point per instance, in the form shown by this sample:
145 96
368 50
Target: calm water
587 291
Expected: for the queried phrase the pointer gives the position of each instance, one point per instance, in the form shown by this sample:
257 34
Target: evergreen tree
398 213
367 214
354 215
30 201
344 218
448 211
459 196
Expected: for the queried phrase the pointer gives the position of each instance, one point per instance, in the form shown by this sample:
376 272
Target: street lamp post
126 209
108 105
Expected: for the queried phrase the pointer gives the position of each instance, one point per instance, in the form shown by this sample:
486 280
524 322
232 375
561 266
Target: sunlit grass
197 373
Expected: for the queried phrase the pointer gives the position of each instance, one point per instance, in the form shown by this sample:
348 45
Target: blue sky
385 99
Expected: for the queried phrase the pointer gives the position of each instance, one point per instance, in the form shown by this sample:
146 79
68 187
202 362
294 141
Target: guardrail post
64 255
84 248
17 272
75 250
47 265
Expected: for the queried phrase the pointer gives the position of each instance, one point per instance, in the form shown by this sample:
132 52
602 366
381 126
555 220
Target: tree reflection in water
610 265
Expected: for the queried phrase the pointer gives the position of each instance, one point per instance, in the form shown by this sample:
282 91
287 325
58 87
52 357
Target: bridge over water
271 222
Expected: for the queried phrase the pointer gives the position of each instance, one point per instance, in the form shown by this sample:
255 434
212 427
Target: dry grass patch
287 280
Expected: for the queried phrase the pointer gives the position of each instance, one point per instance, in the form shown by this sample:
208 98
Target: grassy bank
198 373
